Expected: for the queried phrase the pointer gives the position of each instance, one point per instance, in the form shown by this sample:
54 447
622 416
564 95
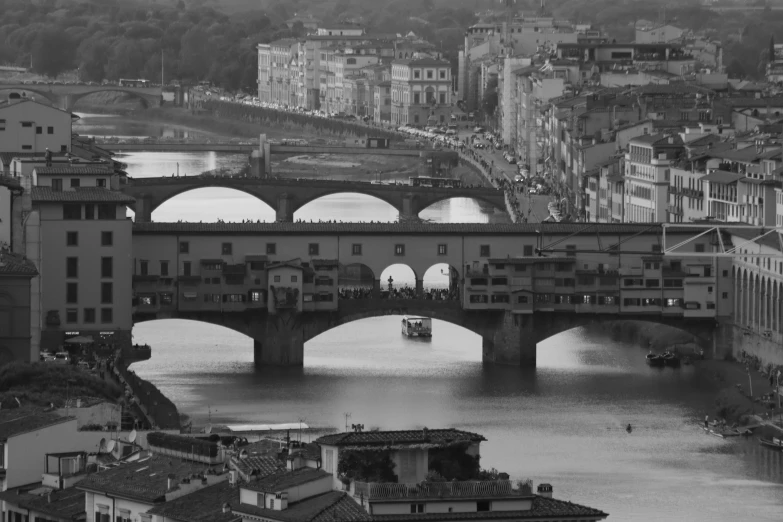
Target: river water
561 423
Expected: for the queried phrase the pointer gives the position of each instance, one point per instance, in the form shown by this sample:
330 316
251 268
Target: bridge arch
299 204
29 93
207 184
74 98
496 204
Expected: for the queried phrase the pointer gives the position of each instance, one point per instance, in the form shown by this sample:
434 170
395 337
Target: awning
80 339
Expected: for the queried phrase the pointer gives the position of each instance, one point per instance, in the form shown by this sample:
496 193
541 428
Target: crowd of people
405 292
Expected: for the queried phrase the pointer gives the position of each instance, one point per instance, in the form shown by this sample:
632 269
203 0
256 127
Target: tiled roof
722 177
65 503
422 62
7 157
263 447
11 183
392 228
260 466
383 438
657 139
24 420
16 265
70 169
334 506
541 509
80 195
145 480
204 505
287 479
325 263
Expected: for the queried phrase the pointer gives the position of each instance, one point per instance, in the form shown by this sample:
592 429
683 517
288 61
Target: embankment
158 408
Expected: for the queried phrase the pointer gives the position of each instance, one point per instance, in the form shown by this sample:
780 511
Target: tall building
647 176
30 127
82 247
421 91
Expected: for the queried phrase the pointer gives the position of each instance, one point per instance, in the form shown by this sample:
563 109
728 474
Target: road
533 207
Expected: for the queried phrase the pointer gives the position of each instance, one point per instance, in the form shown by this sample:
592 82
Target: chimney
226 507
545 490
232 477
78 403
49 498
671 140
171 482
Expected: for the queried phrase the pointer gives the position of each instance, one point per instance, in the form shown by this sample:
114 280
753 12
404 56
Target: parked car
62 358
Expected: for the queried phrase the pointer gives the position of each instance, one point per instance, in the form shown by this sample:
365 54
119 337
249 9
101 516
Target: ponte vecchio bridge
287 196
514 285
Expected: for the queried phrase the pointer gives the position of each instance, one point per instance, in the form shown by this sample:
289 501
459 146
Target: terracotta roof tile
15 264
287 479
145 480
71 169
66 503
204 505
24 420
542 508
382 438
80 195
334 506
260 466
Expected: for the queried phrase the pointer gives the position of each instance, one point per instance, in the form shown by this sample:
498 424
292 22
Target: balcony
461 489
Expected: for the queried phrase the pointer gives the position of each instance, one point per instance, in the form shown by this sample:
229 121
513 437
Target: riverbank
730 378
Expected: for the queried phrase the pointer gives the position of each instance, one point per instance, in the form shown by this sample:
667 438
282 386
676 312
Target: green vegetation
42 384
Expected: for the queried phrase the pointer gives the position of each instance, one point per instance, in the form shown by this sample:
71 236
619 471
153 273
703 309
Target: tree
53 52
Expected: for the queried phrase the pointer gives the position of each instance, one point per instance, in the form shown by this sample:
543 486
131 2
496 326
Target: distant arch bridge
66 96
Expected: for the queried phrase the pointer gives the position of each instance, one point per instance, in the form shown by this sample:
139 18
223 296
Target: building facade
30 127
420 91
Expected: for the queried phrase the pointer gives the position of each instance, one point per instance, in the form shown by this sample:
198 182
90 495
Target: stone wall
274 118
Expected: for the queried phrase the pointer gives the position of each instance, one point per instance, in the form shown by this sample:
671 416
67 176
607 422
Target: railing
487 488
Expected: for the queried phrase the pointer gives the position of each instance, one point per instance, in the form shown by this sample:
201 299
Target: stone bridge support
143 209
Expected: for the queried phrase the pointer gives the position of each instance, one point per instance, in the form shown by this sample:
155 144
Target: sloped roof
393 228
542 508
334 506
65 503
67 169
383 438
16 265
145 480
204 505
288 479
24 420
79 195
721 176
261 466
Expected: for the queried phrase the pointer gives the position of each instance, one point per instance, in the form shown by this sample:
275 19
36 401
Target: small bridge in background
66 96
288 196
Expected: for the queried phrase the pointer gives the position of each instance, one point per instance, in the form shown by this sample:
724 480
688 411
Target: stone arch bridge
506 339
288 196
66 96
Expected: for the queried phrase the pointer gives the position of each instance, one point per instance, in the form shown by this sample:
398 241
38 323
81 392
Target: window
184 247
164 268
416 98
417 508
479 298
255 296
57 185
522 299
482 505
76 182
442 250
89 315
72 211
71 239
699 247
107 291
107 238
442 74
527 250
429 75
399 250
101 182
49 130
277 279
71 315
27 147
107 212
500 298
356 249
39 130
313 249
484 251
71 267
107 315
2 125
725 295
416 74
271 248
71 292
107 267
226 249
652 283
186 268
89 211
294 279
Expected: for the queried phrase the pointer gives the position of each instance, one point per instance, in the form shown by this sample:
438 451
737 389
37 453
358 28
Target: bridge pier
285 209
410 208
512 341
143 210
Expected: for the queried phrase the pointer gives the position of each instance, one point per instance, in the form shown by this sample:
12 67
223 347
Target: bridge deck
275 149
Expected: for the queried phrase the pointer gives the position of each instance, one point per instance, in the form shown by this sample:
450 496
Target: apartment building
382 102
84 255
27 126
420 91
647 176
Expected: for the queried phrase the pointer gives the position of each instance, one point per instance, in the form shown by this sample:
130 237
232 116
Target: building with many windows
647 175
420 91
83 253
30 127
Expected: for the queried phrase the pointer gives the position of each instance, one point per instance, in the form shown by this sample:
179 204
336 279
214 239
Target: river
561 423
